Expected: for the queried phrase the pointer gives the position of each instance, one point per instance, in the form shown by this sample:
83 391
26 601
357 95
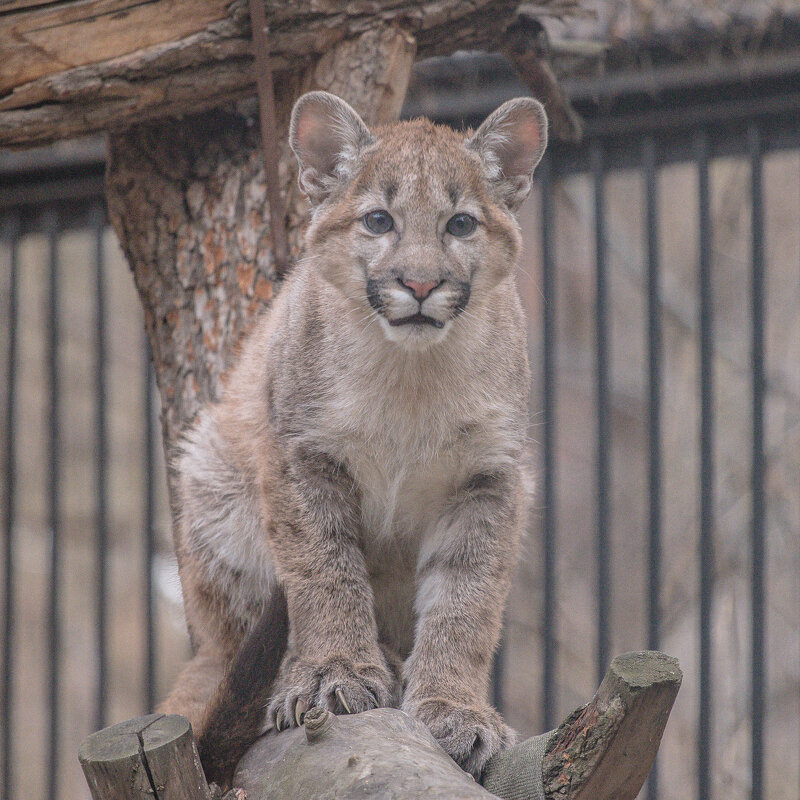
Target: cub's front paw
339 684
471 735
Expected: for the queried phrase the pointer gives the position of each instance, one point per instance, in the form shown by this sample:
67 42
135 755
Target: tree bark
78 66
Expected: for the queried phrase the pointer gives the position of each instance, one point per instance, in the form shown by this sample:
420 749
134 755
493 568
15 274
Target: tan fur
375 471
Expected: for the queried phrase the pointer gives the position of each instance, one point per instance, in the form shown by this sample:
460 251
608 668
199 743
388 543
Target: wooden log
78 66
604 750
379 753
152 756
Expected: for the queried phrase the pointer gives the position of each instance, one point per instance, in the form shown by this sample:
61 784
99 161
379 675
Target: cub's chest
403 488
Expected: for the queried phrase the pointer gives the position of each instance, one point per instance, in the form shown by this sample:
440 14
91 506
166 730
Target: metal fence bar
97 226
654 393
10 232
653 410
603 478
549 466
706 548
149 530
758 510
51 227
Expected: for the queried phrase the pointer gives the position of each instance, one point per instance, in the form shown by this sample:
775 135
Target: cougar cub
367 459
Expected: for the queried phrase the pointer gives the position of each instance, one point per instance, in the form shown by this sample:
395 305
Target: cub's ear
511 143
327 137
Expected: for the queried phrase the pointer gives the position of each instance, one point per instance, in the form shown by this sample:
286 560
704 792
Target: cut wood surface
152 756
76 66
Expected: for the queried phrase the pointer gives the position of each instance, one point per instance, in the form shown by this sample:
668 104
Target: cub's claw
343 700
470 735
339 685
300 712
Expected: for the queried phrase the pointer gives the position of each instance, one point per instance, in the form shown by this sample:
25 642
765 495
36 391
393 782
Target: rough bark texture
187 199
604 750
78 66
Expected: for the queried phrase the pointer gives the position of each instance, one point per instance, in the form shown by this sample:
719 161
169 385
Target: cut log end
604 751
151 756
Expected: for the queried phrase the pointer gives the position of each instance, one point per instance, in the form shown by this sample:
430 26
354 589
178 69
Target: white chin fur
413 337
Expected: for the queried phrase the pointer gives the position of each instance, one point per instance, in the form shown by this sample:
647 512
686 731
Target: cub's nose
420 290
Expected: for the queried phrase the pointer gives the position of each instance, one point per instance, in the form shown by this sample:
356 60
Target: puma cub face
415 222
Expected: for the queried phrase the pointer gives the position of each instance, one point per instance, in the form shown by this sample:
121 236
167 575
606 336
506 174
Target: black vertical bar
11 234
704 726
757 530
51 227
97 225
603 430
654 411
654 392
149 532
549 401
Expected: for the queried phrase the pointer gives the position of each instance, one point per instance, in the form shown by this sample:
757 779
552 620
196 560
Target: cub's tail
235 713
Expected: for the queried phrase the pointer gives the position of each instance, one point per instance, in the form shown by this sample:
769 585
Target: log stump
148 757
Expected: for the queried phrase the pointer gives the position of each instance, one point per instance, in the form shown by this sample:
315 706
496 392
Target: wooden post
147 757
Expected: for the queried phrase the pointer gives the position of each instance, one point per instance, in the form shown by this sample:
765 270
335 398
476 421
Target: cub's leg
463 579
334 660
226 575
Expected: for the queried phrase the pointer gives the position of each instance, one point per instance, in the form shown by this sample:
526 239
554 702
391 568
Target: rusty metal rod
269 134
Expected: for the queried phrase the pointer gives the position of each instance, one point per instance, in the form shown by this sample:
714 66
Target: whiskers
467 313
360 312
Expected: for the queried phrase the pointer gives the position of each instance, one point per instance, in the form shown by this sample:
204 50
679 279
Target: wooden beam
56 37
73 67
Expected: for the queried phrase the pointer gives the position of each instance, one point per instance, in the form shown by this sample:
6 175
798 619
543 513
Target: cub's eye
379 221
461 225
